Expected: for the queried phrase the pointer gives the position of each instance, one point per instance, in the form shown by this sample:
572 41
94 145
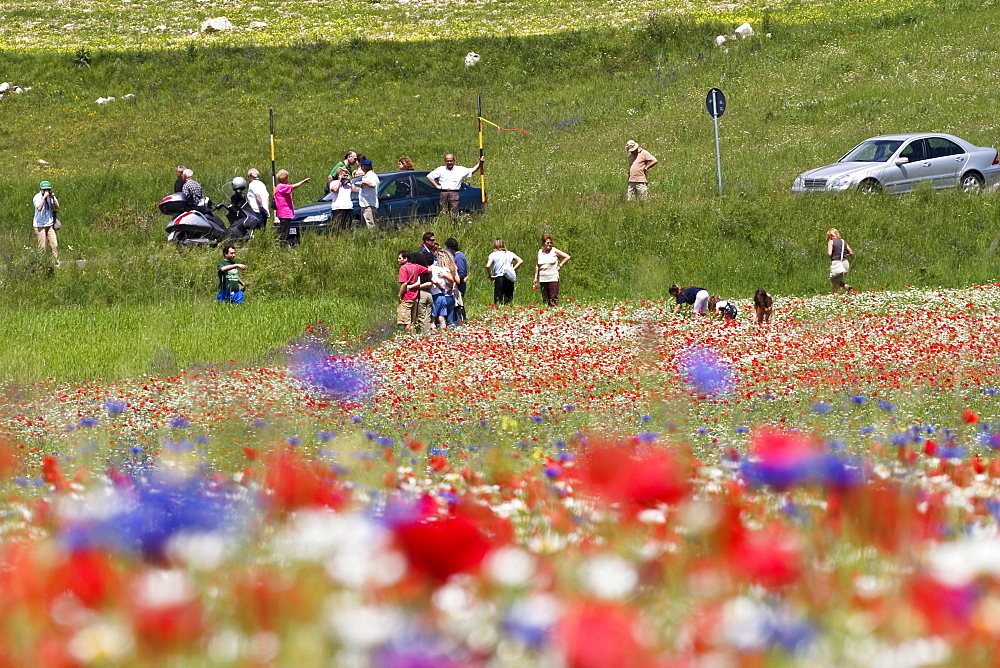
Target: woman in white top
503 265
343 207
550 261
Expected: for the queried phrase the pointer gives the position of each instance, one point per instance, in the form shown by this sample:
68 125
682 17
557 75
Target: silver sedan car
900 163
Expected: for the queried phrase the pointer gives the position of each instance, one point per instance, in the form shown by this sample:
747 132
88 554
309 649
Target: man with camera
46 206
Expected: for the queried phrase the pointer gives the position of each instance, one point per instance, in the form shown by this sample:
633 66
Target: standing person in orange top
640 161
550 261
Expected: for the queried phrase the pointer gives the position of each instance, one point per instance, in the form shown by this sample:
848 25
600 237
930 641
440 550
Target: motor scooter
197 223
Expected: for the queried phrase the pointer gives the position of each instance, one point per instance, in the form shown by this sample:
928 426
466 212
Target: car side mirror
901 161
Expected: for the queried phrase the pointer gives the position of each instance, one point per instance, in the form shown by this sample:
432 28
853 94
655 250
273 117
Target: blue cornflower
114 406
158 510
89 422
705 372
180 422
346 378
836 445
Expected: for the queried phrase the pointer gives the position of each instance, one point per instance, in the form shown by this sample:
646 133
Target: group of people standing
433 280
447 179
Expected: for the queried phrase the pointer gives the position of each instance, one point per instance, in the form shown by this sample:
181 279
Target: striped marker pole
482 168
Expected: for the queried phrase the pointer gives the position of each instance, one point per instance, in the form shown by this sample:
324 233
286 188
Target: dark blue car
402 196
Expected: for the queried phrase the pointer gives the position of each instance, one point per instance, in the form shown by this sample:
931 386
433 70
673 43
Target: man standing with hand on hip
448 179
640 161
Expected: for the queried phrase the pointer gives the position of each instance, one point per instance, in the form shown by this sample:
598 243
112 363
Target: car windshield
873 150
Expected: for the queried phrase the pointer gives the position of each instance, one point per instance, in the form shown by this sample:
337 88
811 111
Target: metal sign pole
715 104
718 154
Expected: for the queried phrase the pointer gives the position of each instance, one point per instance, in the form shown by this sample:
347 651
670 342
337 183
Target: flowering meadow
591 485
102 24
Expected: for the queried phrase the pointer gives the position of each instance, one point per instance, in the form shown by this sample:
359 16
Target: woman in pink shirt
284 209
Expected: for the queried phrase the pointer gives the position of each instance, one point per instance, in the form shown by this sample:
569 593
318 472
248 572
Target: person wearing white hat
640 161
45 220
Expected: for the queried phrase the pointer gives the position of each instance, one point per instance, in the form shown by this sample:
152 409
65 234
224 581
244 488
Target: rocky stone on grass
257 25
218 24
8 87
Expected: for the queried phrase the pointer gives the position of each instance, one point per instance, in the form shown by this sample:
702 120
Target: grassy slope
797 99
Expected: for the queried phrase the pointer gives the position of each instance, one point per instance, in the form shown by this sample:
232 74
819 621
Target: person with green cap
46 206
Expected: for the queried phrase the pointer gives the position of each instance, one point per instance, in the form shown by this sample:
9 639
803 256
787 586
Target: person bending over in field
726 309
762 305
697 297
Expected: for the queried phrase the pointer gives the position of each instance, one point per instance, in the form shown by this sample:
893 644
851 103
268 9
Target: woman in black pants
503 265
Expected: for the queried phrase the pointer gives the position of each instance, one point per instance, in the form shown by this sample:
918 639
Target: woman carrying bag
838 251
502 265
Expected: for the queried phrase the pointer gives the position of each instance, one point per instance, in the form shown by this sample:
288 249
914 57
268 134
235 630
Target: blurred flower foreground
596 486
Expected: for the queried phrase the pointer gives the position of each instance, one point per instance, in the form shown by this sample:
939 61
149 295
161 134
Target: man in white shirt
368 197
258 197
448 179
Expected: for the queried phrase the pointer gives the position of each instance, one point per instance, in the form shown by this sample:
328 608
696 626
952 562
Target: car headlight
799 183
840 182
320 218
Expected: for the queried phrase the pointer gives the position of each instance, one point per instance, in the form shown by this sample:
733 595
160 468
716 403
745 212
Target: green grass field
827 76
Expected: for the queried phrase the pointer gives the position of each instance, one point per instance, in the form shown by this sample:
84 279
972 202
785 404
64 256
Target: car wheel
870 187
972 182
